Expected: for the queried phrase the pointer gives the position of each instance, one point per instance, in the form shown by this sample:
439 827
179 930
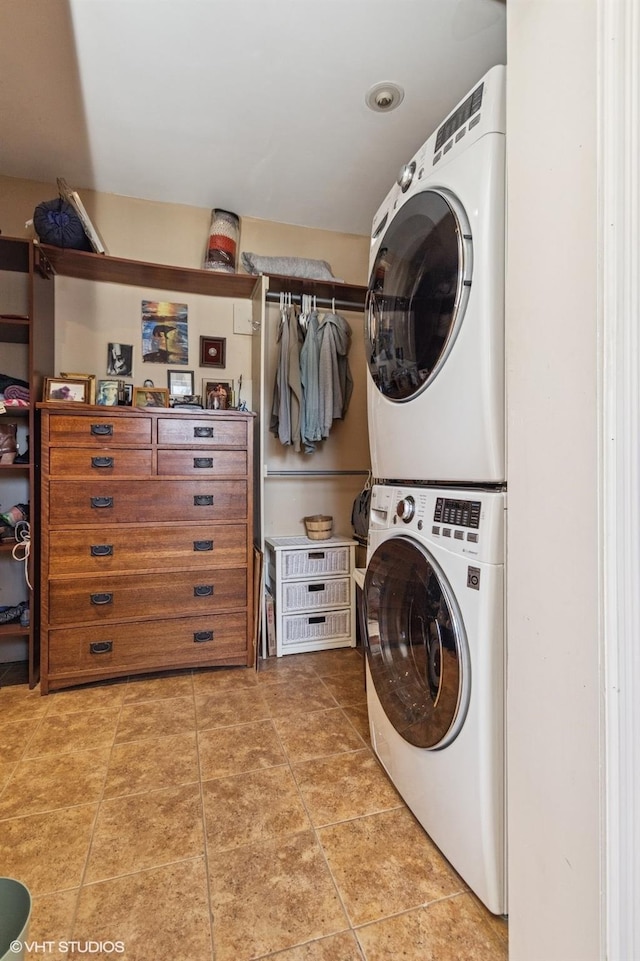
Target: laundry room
292 812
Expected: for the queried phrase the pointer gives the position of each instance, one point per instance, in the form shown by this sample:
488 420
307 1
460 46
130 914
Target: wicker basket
319 527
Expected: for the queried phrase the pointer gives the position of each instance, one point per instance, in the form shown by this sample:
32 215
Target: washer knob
406 175
406 508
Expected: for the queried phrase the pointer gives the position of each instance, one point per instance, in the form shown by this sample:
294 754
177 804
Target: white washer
435 316
434 614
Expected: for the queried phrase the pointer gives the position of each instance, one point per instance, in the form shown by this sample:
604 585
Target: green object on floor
15 913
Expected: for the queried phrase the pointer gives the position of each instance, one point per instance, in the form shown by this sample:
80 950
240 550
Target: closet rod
315 473
274 296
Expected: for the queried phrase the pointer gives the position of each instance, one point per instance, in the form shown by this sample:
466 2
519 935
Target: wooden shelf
117 270
13 630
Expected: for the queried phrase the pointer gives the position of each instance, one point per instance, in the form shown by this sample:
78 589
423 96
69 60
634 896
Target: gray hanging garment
335 382
287 394
311 426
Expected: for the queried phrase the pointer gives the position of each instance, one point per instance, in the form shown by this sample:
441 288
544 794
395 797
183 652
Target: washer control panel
465 522
457 513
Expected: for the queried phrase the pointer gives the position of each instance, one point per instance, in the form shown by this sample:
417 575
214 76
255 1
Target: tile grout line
81 885
317 840
203 819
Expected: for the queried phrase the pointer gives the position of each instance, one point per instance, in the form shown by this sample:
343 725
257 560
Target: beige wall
90 315
553 470
178 234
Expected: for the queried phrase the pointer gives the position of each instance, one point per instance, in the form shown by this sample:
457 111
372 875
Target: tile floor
222 815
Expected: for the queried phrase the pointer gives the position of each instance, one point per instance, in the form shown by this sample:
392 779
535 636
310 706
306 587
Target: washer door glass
418 291
416 644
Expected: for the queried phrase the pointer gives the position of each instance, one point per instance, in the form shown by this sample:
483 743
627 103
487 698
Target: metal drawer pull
203 545
203 500
102 461
203 590
315 587
203 431
317 620
200 636
101 647
102 550
102 430
203 461
316 555
99 599
102 501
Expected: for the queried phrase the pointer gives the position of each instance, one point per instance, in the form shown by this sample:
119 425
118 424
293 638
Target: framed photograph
165 333
213 351
120 360
217 394
91 381
66 390
181 383
108 393
150 397
127 395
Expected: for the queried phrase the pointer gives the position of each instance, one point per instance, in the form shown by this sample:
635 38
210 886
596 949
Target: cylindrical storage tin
223 242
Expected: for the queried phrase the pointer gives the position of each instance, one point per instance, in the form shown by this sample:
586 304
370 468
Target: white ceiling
256 106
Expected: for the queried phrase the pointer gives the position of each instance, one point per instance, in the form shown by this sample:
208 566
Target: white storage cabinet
313 587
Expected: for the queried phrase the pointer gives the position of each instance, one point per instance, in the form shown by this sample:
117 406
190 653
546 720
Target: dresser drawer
145 549
78 462
121 502
201 463
99 430
99 599
211 431
147 645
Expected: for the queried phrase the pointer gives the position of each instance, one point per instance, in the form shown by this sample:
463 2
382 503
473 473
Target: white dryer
435 315
434 614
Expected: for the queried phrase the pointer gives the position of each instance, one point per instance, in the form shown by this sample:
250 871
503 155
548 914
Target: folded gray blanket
288 266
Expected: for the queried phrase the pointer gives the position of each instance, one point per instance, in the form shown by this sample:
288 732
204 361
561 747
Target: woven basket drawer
300 629
321 560
315 595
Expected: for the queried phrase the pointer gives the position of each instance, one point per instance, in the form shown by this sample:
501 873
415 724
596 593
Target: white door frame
619 245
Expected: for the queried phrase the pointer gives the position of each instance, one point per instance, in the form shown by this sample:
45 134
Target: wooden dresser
147 541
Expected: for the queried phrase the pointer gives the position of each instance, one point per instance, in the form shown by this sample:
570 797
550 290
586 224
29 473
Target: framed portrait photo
107 395
213 351
217 394
66 390
91 383
180 383
150 397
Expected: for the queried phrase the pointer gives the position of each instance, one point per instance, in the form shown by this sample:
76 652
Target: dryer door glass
416 645
418 291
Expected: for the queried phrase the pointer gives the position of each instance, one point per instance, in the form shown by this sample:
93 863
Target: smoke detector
384 97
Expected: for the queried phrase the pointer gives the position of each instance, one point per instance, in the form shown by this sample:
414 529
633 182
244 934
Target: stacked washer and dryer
434 585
